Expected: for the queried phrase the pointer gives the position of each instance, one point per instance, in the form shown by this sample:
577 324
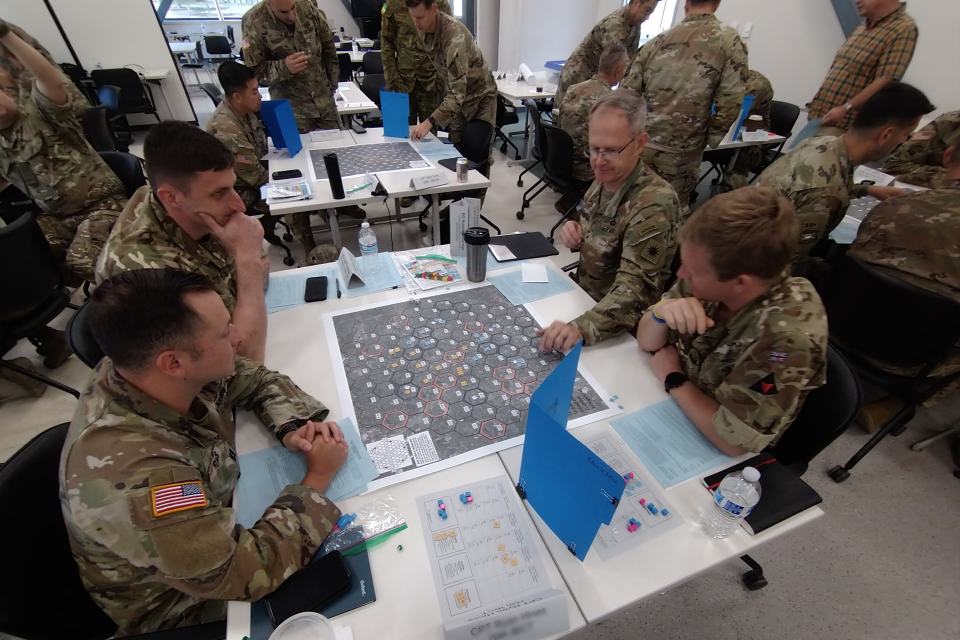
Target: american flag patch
245 159
177 497
777 356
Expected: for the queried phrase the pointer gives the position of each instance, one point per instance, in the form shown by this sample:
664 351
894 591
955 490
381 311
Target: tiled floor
883 564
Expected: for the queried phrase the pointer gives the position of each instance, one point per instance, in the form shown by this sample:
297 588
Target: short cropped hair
234 77
752 231
630 104
612 57
416 3
137 315
896 104
176 151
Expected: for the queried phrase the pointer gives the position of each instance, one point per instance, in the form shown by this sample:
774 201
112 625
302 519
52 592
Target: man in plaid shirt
878 52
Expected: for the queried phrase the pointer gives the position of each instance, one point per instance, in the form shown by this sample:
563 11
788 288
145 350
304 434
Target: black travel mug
333 172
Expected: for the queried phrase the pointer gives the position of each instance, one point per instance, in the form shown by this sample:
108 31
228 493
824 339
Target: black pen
337 280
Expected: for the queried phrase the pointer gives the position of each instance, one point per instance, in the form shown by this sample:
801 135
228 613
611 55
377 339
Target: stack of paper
289 191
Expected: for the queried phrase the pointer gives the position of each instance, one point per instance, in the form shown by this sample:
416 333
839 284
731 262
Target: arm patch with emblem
181 496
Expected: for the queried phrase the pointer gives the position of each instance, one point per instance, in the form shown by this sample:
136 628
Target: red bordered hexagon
491 428
372 350
393 421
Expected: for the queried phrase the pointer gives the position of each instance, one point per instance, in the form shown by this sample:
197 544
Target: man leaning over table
738 342
149 466
190 217
627 230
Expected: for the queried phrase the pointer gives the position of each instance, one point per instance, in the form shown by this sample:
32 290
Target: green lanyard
614 203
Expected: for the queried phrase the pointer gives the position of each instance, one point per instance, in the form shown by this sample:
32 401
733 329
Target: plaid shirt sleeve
895 60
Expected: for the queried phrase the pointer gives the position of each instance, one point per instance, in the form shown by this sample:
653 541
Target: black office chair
346 67
128 168
133 98
881 318
783 117
230 35
376 45
218 49
718 159
201 63
34 293
506 116
80 338
372 63
25 610
345 46
213 92
371 86
558 168
13 204
538 152
109 97
97 129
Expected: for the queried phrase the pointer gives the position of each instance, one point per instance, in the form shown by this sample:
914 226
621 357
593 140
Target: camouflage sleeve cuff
859 191
737 433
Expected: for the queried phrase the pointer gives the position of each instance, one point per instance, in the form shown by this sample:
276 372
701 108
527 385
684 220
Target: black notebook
782 493
523 246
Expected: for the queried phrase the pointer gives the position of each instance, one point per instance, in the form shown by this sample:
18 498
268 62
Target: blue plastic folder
395 110
565 482
744 112
278 117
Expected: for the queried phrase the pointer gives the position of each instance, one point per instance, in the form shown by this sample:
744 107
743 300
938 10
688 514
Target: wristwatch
674 380
849 106
289 427
432 121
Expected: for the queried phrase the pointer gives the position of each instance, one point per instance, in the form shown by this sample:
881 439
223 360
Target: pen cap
333 173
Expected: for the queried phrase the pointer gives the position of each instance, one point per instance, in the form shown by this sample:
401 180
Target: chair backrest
42 562
109 96
33 272
80 337
376 45
346 67
200 55
826 413
372 62
14 203
345 46
132 95
97 129
475 141
218 45
884 318
372 84
230 35
213 91
558 159
506 112
127 167
783 116
539 143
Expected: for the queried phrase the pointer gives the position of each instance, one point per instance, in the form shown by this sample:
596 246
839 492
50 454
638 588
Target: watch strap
289 427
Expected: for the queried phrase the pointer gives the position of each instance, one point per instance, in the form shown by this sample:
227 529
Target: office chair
97 130
13 204
26 610
230 35
201 63
376 45
372 63
213 92
371 85
783 117
133 99
109 97
218 49
81 79
345 46
35 296
128 168
506 116
875 317
346 67
538 152
558 169
80 338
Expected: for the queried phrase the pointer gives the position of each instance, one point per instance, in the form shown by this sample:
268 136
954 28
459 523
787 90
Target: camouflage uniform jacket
405 62
46 155
150 572
817 177
682 73
469 83
584 62
759 87
575 120
146 237
629 240
267 43
246 138
920 160
760 364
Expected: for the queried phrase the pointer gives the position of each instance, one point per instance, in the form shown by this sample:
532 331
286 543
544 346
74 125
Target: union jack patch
171 498
777 356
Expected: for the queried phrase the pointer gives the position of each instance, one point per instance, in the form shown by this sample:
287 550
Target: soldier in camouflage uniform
749 157
627 230
575 110
43 152
920 160
147 485
739 344
620 27
685 73
817 175
184 221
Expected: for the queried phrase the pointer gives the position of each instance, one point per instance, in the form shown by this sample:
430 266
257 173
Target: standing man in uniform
877 53
693 77
290 48
620 27
627 230
738 343
760 88
920 160
149 466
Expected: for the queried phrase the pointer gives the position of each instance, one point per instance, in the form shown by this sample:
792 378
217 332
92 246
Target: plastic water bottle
734 499
368 249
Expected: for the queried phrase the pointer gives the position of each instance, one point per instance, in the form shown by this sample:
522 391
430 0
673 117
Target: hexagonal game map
433 378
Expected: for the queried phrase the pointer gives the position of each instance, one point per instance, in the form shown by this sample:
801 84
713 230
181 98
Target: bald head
285 10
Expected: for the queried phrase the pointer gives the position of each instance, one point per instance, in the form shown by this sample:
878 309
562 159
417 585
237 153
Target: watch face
674 380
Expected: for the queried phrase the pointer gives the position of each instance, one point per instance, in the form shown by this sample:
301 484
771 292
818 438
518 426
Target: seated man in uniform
817 176
919 161
627 233
739 343
158 415
916 238
760 88
189 217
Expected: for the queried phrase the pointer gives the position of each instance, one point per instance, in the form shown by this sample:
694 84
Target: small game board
359 159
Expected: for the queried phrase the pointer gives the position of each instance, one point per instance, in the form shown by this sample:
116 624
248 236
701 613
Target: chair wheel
516 157
519 182
838 474
754 581
288 262
423 227
503 148
550 240
287 237
519 215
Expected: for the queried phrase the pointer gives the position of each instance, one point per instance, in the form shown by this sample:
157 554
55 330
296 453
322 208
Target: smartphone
316 289
310 588
286 175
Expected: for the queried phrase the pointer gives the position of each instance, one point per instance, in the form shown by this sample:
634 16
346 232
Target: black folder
525 246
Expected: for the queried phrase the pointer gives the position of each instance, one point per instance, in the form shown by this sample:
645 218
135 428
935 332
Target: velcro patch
181 496
653 251
920 136
246 43
245 159
777 356
766 387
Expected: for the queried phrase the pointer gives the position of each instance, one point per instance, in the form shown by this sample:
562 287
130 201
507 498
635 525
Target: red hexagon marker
453 356
473 326
399 321
372 350
427 393
497 429
512 387
436 409
397 413
503 373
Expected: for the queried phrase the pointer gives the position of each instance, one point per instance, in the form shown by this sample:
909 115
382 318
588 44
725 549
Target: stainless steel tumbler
477 239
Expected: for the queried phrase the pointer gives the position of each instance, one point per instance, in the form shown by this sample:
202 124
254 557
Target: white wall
488 30
536 31
32 16
936 63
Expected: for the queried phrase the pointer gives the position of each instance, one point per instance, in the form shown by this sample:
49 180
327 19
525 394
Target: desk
352 95
356 57
519 90
156 77
183 47
736 145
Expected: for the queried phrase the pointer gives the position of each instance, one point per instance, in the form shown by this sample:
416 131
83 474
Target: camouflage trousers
749 158
328 118
77 241
681 170
423 102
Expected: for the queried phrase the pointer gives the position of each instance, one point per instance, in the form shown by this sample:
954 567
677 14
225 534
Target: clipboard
567 484
278 117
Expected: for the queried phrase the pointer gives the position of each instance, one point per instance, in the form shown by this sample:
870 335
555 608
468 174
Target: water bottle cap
365 225
750 474
476 236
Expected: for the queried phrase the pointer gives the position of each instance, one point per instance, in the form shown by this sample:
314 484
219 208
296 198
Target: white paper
326 135
463 215
879 178
390 454
349 270
422 448
419 164
533 272
756 136
527 74
501 252
428 181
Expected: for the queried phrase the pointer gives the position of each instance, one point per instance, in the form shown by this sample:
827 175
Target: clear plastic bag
375 521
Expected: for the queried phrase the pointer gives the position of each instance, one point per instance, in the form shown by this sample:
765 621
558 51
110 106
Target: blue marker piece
654 510
467 494
440 502
463 498
443 514
664 512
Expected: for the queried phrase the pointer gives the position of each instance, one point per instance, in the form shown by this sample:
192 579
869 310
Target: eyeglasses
608 154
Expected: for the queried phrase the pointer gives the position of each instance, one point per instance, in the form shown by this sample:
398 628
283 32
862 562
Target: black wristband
289 427
432 121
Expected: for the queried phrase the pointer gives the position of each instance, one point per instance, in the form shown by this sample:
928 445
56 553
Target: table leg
436 218
396 207
334 227
528 152
733 160
163 95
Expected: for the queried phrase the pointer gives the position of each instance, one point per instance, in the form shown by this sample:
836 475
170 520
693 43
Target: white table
356 57
351 94
156 77
183 47
520 91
